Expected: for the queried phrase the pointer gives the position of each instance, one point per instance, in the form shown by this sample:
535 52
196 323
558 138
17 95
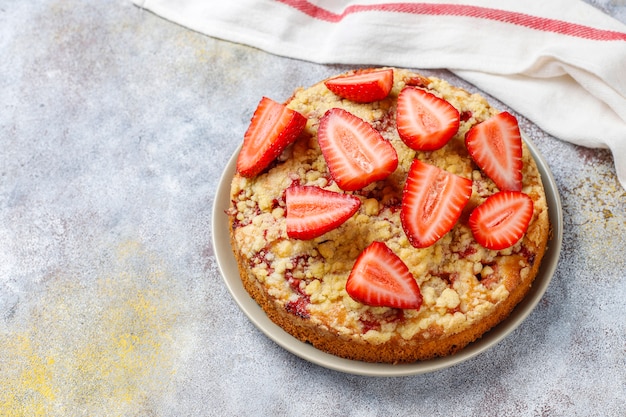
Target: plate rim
226 263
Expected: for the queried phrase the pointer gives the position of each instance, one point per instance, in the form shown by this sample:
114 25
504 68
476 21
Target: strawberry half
496 147
432 202
363 86
502 219
313 211
425 121
379 278
355 152
273 127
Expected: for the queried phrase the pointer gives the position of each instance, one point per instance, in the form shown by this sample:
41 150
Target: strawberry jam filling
465 115
491 279
261 259
448 277
370 321
526 253
417 81
298 307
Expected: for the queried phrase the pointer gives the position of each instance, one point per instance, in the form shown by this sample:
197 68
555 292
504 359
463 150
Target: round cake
385 216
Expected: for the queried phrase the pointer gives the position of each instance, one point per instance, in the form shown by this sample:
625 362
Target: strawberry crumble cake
385 216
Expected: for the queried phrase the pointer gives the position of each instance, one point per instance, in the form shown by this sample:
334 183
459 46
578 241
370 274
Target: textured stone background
115 126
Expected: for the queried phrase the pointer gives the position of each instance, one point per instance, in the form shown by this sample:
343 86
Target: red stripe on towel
519 19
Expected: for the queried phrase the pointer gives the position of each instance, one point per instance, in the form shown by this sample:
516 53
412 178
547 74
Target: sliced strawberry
502 219
363 86
379 278
432 202
425 121
496 147
273 127
355 152
313 211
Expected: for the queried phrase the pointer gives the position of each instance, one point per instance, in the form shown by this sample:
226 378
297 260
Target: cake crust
300 285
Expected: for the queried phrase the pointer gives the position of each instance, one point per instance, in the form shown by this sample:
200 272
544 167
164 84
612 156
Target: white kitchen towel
560 63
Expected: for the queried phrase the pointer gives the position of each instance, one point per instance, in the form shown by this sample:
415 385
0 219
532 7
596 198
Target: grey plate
228 267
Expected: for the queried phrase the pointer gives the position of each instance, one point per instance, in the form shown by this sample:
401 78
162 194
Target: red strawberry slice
432 202
496 147
363 86
355 152
273 127
425 121
313 211
502 219
379 278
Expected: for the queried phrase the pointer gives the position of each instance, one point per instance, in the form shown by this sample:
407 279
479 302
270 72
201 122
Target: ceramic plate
228 268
